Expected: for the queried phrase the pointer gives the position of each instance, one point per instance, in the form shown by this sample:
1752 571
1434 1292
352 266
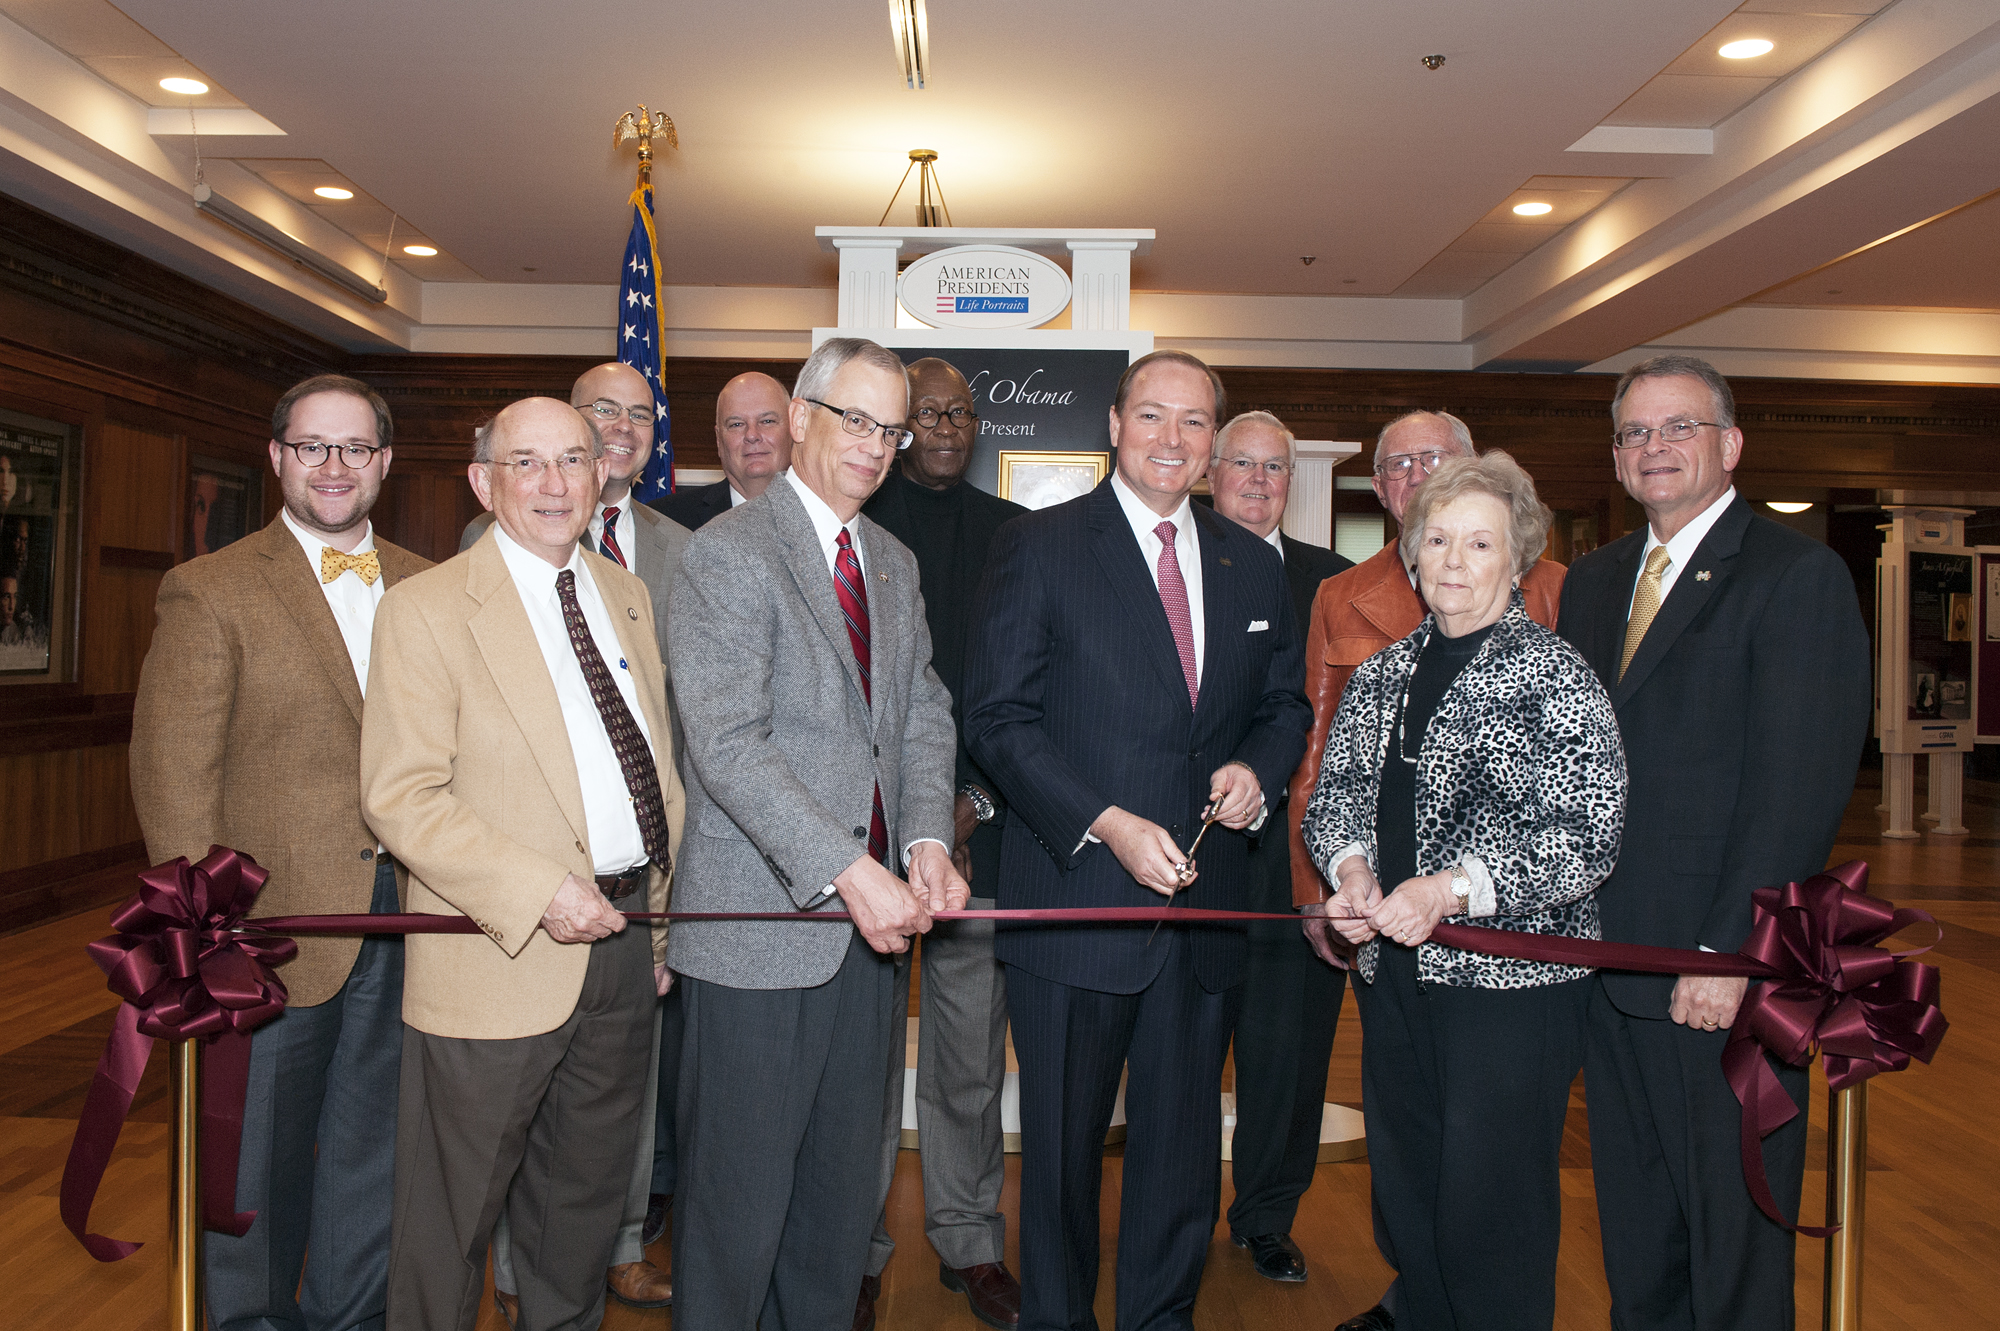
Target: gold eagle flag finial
645 126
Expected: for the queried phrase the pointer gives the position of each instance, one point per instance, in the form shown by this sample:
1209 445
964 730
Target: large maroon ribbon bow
1833 990
185 973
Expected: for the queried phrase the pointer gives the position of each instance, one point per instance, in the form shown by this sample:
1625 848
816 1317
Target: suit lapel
1126 574
1222 636
1391 604
297 588
807 563
513 657
1714 557
888 632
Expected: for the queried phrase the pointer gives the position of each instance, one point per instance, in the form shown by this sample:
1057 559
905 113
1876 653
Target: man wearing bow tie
247 733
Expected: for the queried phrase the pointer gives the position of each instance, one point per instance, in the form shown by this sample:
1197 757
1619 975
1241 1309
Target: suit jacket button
861 832
368 854
1193 754
878 750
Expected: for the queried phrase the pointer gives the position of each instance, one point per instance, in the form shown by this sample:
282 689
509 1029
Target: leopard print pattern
1522 766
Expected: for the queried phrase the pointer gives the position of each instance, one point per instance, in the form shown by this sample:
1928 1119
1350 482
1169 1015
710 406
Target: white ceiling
1248 136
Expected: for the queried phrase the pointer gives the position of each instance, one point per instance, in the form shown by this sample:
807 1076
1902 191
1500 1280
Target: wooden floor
1933 1220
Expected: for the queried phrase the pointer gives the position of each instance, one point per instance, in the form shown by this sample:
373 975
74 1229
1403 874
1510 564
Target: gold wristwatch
1461 887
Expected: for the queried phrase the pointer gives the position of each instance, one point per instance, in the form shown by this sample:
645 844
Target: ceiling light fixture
1747 49
333 192
910 28
234 214
1533 209
929 213
421 251
185 87
1786 506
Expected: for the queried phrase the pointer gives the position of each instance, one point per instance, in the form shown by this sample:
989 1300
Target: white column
867 280
1309 513
1948 792
1901 782
1101 278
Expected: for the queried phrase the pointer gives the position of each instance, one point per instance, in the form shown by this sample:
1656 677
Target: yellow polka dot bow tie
332 564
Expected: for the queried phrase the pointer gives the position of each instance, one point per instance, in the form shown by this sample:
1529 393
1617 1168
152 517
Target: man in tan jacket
247 733
517 760
1359 612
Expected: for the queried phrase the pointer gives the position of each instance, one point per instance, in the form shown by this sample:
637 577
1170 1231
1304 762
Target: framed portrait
38 548
1038 480
224 501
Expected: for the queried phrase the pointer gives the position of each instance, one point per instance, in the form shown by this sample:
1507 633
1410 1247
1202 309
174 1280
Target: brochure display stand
1925 680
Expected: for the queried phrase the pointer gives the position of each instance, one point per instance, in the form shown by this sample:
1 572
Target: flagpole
641 330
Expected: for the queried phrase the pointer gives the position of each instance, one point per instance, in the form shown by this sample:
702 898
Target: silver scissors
1186 871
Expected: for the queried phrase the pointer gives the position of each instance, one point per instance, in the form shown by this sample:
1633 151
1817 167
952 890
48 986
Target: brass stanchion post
184 1190
1846 1197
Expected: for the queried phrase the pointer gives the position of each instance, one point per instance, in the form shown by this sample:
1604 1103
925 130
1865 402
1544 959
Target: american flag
639 338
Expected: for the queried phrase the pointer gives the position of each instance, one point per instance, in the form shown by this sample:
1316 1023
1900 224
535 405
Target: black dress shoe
1375 1319
1276 1256
990 1289
655 1223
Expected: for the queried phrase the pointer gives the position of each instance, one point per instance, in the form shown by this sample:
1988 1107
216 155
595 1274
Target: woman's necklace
1403 709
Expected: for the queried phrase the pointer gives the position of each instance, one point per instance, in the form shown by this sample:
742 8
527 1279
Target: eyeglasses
862 424
1673 432
1397 467
607 410
526 469
1240 467
959 416
313 453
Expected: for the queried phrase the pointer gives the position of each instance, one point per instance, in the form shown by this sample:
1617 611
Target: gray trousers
961 1066
779 1117
319 1149
628 1247
546 1127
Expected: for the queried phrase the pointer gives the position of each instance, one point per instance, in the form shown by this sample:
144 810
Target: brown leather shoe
864 1304
640 1284
509 1306
990 1288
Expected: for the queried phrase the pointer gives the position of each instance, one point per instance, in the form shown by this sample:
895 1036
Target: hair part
1675 365
1497 474
482 435
816 376
1460 432
1221 409
1223 436
281 414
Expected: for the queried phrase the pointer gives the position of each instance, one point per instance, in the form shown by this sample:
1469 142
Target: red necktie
852 592
610 541
1173 596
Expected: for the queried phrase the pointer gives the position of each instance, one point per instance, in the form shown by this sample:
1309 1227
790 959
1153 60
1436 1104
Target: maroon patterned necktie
635 759
610 541
852 592
1174 597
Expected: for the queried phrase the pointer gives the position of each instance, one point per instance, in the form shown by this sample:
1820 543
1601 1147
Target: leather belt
618 886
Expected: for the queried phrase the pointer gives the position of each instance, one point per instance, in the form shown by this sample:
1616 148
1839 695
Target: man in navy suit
1736 659
754 441
1134 661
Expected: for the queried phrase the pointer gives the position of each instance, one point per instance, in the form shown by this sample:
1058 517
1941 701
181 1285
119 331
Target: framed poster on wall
224 502
1041 480
38 500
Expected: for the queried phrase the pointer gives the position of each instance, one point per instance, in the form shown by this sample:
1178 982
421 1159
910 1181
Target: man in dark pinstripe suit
1134 661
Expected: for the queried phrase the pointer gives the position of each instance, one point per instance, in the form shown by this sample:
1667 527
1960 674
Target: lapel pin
1701 576
883 576
631 613
1227 564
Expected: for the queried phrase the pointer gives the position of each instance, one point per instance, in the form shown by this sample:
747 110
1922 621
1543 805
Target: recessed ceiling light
1747 49
333 192
1533 209
1785 506
186 87
421 251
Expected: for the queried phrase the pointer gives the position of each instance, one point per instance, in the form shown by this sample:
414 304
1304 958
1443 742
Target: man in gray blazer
820 759
617 399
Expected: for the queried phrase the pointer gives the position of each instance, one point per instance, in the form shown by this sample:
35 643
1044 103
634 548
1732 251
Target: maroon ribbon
189 965
185 974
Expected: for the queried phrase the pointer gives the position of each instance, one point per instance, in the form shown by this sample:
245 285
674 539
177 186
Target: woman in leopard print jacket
1475 769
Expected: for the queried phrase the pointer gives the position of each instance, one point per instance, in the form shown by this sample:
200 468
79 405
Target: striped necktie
610 540
852 593
1174 597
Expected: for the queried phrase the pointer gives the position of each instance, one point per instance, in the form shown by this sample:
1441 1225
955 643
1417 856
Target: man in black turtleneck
962 1056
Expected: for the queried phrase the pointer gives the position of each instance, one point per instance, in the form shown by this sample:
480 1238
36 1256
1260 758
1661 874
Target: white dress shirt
615 840
736 497
625 533
1187 549
352 601
1680 549
828 526
1272 540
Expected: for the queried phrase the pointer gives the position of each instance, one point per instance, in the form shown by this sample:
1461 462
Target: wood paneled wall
153 368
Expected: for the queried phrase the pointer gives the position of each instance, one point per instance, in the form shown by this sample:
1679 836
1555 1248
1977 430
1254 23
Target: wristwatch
1461 887
982 803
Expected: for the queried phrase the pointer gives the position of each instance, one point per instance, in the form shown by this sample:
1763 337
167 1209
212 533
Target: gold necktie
332 564
1645 604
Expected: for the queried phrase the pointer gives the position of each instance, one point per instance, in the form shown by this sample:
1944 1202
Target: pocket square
1259 625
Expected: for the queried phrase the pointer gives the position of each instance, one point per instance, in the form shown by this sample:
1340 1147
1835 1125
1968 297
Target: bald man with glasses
1357 614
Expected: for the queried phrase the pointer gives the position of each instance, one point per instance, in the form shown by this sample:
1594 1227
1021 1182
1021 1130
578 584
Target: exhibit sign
984 287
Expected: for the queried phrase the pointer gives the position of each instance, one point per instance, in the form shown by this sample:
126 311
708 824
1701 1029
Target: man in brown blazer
247 733
1359 612
516 758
